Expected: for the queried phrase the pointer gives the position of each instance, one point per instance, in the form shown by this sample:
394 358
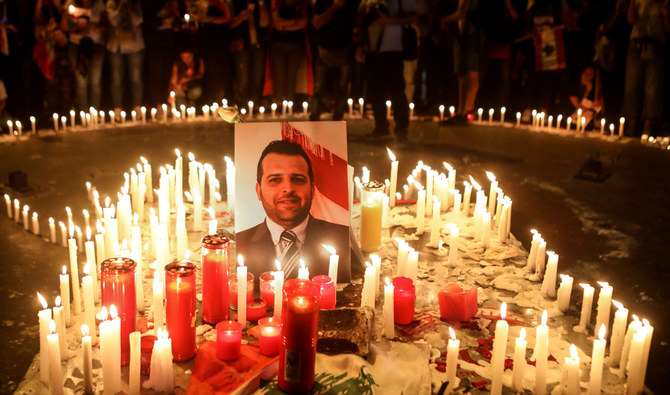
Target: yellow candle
371 216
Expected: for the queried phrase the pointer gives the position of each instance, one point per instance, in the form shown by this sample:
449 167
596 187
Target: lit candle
99 246
486 229
55 119
559 118
273 107
180 308
135 362
63 233
279 286
394 177
212 222
571 372
633 328
303 271
388 109
479 114
490 115
304 108
26 223
452 110
17 210
158 301
597 358
371 216
532 255
611 129
197 212
549 282
649 330
404 297
518 119
350 102
74 270
498 352
564 292
87 359
604 305
19 128
241 292
411 110
618 333
284 106
420 209
569 122
110 350
502 114
112 117
268 335
519 361
435 224
32 125
541 355
622 121
361 106
228 340
44 316
550 122
60 327
452 360
333 263
89 301
441 112
55 369
587 303
389 326
154 111
635 382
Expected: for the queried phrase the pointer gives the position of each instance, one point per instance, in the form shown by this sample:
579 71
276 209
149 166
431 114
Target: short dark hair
284 147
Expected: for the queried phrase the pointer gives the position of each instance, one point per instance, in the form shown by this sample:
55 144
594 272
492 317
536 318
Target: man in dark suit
285 187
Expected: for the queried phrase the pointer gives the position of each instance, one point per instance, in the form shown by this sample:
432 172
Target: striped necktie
290 253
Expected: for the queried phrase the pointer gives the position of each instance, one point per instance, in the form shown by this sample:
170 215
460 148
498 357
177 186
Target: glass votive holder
457 304
403 300
233 288
228 340
256 309
147 347
215 262
267 285
327 287
268 335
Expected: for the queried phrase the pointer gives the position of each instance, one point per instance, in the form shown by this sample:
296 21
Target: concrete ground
612 231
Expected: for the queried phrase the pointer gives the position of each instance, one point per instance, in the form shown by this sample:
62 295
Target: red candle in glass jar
117 283
147 347
233 288
457 304
327 287
256 310
180 308
269 329
228 340
300 321
403 300
267 285
215 293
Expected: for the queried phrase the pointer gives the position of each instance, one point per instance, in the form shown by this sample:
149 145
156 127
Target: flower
230 114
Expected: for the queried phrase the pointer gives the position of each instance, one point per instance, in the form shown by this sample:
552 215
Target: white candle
135 361
304 108
55 369
333 263
618 333
17 210
87 359
622 121
63 233
230 185
26 223
350 102
44 316
486 229
532 255
60 327
441 112
99 244
32 125
386 212
273 107
241 292
518 119
452 360
550 122
420 210
479 114
279 286
453 244
377 264
597 358
394 177
452 110
36 224
539 260
569 122
389 326
412 265
411 110
157 306
467 193
89 301
197 212
490 115
541 355
74 271
549 282
649 330
435 224
519 361
633 327
502 114
303 271
571 372
498 351
564 292
212 222
361 106
492 191
388 109
604 305
8 205
587 303
55 119
110 350
635 383
368 294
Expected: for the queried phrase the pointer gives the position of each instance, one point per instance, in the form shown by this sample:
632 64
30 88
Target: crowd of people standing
605 57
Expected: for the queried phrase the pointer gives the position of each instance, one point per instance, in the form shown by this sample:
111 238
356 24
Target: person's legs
376 71
135 61
471 89
462 89
294 56
320 74
653 86
241 72
278 58
396 87
95 76
342 78
256 70
116 69
633 84
81 81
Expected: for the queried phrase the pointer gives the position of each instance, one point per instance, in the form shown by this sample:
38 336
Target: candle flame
88 233
104 315
573 352
42 301
330 249
57 301
99 227
522 334
302 263
393 158
490 176
187 254
564 278
26 208
585 286
68 211
544 317
240 260
61 225
157 276
177 152
491 111
475 184
635 318
452 334
466 184
645 322
278 265
398 195
618 305
84 330
550 253
52 327
64 269
435 199
503 310
113 313
368 266
188 195
534 232
603 284
602 331
87 269
211 213
387 281
447 166
108 201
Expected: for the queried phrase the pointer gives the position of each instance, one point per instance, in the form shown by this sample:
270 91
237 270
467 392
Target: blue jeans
248 81
133 62
88 87
644 83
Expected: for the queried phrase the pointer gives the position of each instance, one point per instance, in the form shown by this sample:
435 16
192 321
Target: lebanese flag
331 199
549 49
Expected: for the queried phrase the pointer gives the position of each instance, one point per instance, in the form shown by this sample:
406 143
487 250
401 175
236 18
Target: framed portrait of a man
292 196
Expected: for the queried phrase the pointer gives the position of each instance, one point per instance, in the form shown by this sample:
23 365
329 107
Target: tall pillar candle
394 177
571 372
420 211
87 360
597 359
435 224
618 333
60 327
452 360
215 260
371 216
604 305
74 274
541 355
587 303
44 317
519 362
389 324
492 191
564 292
633 327
55 369
242 293
279 286
157 306
110 350
65 295
549 282
453 244
532 255
89 301
333 264
180 308
498 351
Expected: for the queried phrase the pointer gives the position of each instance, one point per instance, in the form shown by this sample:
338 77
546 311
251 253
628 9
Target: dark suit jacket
255 245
